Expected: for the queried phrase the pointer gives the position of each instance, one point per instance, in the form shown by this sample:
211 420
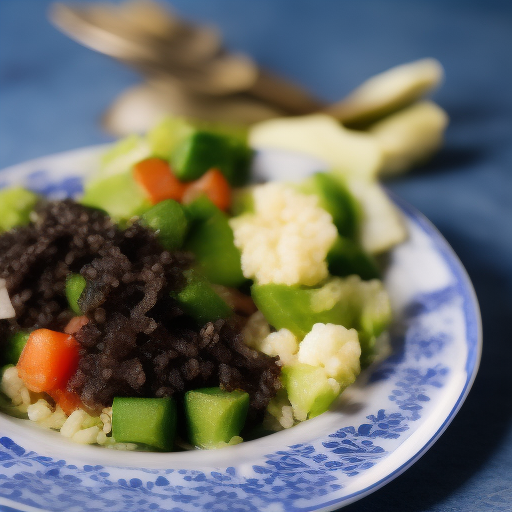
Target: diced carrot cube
214 185
68 400
156 178
48 360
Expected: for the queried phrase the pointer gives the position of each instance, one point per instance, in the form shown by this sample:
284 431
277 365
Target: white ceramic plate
383 424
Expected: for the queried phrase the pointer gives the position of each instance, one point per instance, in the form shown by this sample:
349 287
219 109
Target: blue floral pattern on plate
392 415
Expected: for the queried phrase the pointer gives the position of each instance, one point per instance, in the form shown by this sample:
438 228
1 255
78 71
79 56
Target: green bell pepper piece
200 209
351 302
75 285
298 309
199 300
336 199
212 243
14 347
346 257
168 219
204 150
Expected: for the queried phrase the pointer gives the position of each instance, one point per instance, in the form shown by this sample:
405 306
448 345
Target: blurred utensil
148 37
141 107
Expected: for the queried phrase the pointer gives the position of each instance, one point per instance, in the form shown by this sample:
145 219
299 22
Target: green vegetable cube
215 416
346 257
309 389
200 209
214 249
351 302
298 309
14 347
118 195
15 206
75 285
167 134
199 300
168 219
204 150
148 421
336 199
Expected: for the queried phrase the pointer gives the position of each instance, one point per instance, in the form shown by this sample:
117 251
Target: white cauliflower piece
334 348
287 239
283 344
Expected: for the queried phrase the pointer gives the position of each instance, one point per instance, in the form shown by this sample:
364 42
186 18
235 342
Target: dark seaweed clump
138 341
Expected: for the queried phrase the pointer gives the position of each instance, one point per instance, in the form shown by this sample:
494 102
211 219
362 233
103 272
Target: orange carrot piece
75 324
156 178
214 185
68 400
48 360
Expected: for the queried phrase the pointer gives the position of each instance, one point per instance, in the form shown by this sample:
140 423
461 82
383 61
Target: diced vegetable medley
178 305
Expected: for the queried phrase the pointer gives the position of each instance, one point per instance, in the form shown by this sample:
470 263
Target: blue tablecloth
53 92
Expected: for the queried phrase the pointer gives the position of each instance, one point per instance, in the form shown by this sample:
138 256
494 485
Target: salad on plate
177 303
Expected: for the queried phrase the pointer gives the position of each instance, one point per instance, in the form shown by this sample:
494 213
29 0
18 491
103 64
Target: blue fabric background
53 92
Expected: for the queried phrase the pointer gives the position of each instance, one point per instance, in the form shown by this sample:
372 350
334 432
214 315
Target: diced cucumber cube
148 421
215 416
310 391
168 219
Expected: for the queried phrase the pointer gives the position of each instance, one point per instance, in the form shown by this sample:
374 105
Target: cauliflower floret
283 344
287 239
334 348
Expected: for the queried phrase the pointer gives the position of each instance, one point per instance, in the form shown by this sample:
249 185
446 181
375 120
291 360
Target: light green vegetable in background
16 204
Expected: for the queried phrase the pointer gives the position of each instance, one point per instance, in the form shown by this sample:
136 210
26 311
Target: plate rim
456 267
462 276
